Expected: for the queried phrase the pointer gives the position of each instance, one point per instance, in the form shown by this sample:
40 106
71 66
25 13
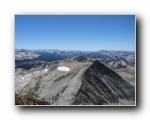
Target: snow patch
26 76
63 68
45 70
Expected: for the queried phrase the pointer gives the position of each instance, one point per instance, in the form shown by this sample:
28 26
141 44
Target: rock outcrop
22 100
86 83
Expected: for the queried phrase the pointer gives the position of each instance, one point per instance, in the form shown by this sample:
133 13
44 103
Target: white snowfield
45 70
63 68
26 76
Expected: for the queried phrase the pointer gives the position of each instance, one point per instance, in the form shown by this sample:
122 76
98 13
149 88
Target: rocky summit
75 81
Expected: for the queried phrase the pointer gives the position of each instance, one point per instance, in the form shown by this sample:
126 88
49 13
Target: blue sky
75 32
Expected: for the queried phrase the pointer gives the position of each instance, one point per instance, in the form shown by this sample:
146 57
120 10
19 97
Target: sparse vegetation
56 97
33 92
62 77
23 100
63 89
89 83
37 86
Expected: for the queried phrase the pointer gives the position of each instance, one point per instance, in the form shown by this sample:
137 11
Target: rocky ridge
88 82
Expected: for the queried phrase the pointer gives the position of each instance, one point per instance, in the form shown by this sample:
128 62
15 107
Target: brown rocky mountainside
22 100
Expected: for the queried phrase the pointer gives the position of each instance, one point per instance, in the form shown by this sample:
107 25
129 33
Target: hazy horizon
72 49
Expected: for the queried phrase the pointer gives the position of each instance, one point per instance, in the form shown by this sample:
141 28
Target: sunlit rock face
74 82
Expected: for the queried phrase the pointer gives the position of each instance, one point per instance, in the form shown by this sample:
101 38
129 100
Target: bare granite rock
86 82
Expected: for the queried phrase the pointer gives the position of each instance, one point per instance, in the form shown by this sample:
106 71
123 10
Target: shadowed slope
101 85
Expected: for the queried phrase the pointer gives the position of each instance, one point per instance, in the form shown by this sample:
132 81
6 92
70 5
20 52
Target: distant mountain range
115 59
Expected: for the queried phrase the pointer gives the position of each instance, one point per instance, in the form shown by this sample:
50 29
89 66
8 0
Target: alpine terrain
75 78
